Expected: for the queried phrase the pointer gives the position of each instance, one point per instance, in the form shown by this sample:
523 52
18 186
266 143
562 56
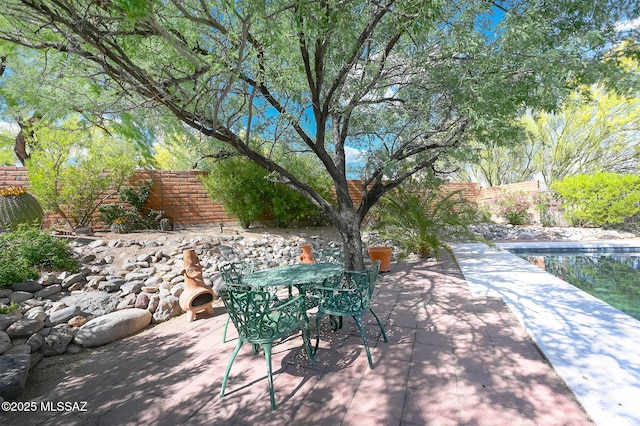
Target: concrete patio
451 359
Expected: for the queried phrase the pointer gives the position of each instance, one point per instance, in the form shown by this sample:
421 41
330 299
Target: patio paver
451 359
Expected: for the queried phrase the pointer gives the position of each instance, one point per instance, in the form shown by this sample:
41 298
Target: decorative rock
127 302
76 286
169 307
72 279
57 341
36 313
30 286
22 348
142 301
35 341
5 292
112 326
73 349
13 374
150 289
77 321
154 301
95 302
20 296
153 281
47 279
110 286
24 327
48 291
131 287
63 315
7 319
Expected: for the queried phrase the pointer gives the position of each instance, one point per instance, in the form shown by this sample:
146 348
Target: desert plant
135 217
514 207
74 167
26 249
601 199
18 206
547 205
424 220
248 192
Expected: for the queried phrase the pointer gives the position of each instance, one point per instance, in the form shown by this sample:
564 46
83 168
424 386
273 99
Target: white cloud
631 25
352 155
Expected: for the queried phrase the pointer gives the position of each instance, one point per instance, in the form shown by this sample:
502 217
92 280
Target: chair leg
364 338
384 335
318 316
224 332
267 354
226 373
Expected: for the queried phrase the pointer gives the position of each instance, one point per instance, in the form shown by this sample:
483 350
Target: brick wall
181 195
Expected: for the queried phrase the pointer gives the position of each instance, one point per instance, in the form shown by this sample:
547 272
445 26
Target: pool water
611 277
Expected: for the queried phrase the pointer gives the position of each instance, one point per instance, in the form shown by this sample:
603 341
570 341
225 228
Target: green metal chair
260 323
232 274
349 295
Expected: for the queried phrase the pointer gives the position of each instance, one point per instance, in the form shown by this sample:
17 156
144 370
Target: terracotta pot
307 255
383 254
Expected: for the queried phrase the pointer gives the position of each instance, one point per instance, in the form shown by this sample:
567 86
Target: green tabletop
293 275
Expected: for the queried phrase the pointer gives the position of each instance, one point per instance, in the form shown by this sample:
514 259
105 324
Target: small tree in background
74 167
601 199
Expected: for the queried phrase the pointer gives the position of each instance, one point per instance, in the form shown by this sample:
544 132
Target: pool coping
593 347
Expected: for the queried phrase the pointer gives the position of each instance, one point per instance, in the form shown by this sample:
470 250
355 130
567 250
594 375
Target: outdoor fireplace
196 297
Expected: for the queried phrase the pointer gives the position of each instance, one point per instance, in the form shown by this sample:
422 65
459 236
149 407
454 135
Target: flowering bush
546 204
514 207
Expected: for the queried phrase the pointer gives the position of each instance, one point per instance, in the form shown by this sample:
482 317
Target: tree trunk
349 228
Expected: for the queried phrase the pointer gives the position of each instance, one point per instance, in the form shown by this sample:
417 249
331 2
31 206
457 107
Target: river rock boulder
113 326
13 374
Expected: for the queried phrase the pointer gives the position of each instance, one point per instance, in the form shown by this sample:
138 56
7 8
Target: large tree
401 81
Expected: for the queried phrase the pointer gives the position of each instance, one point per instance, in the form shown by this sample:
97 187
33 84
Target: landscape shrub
137 216
73 167
422 219
514 207
249 193
600 199
26 250
547 206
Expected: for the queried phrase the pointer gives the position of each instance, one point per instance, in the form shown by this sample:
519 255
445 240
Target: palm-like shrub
423 220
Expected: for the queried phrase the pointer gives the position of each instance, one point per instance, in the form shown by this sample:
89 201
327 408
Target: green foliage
239 185
25 250
7 157
547 206
74 166
138 216
601 199
424 219
13 306
249 193
514 207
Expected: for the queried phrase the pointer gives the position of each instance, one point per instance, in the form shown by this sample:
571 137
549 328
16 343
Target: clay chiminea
196 297
306 256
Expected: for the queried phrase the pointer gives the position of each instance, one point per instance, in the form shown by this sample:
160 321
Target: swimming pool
611 276
594 347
